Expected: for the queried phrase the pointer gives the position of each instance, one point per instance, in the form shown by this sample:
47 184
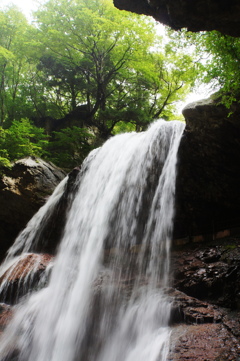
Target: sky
27 6
203 92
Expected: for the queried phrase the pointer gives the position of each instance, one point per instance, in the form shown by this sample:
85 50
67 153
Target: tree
219 60
70 146
22 139
223 64
14 31
107 59
85 62
4 157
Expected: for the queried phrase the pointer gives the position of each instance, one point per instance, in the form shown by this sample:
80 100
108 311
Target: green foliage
4 158
88 52
109 61
230 246
14 44
4 162
22 139
123 127
219 61
224 61
84 53
70 146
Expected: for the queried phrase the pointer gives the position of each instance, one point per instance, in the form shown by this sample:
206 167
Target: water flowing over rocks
23 190
204 315
75 313
6 313
199 15
23 275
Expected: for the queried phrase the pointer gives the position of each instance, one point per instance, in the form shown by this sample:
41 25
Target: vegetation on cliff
85 66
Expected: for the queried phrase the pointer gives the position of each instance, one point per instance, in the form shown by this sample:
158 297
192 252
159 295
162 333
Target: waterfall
105 299
32 232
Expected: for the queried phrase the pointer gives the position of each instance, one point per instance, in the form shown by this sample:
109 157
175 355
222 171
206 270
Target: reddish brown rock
201 330
190 310
206 342
209 271
22 276
6 314
26 264
232 321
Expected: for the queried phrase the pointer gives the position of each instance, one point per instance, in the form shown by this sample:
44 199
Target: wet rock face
23 190
206 342
208 193
6 313
190 310
210 271
203 332
23 275
48 239
206 308
221 15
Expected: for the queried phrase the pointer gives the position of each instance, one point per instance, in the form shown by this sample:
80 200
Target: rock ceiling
195 15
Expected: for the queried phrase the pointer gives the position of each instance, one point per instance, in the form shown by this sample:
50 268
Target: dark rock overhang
195 15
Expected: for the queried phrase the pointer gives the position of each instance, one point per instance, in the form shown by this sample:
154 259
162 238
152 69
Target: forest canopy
83 71
219 59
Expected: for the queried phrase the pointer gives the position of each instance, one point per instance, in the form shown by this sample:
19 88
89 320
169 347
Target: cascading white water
32 231
105 300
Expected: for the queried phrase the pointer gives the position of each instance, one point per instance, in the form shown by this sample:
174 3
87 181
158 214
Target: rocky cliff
208 194
197 15
207 269
23 190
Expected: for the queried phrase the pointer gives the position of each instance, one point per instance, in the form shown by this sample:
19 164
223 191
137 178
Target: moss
230 246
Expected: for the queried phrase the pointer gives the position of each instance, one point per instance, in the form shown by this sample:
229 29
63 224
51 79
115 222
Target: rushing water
105 299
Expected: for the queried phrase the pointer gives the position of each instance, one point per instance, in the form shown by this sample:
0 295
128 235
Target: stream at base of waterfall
103 298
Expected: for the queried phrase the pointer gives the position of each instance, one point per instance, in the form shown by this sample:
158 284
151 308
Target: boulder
22 275
221 15
23 190
53 222
207 189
